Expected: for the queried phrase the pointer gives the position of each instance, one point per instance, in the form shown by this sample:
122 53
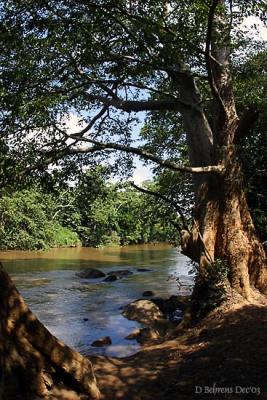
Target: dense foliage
93 212
27 222
251 88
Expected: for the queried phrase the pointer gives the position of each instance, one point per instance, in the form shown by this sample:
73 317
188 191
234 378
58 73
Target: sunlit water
78 311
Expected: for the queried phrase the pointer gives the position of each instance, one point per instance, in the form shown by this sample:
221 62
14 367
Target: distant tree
115 214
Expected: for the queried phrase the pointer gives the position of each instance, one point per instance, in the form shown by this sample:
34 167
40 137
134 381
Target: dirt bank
225 352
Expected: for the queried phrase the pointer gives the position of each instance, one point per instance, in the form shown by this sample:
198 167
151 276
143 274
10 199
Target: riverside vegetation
94 212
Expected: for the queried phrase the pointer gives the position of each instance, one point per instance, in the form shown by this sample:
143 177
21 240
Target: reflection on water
78 311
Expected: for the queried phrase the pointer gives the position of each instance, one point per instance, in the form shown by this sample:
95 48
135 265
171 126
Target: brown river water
78 311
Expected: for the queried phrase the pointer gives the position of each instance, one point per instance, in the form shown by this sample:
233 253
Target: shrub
210 287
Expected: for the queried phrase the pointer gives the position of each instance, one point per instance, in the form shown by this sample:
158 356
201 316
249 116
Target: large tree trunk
223 228
34 364
237 242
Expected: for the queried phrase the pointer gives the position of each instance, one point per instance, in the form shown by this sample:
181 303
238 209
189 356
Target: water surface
78 311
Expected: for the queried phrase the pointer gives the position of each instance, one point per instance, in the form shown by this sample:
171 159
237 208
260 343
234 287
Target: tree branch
91 123
151 89
209 57
166 200
50 157
171 104
145 154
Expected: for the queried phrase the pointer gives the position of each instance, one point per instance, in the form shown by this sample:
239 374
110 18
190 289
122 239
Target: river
78 311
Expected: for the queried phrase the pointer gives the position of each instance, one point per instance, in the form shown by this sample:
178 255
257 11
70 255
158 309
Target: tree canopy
107 61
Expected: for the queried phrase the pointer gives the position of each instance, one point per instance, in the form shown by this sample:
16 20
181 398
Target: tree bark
237 242
34 364
223 227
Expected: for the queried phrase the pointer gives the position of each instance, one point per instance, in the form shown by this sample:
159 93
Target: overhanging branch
136 106
90 124
145 154
172 203
50 157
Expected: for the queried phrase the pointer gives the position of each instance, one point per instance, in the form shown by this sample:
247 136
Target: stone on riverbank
170 305
147 335
143 270
134 334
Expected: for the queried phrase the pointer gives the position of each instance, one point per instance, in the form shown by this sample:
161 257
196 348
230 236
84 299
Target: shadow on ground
226 353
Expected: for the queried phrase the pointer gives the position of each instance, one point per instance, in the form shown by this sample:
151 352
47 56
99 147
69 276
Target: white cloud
249 25
141 173
73 123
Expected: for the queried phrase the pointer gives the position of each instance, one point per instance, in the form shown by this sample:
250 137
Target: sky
262 30
141 172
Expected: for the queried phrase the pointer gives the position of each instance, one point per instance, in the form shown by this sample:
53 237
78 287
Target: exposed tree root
33 362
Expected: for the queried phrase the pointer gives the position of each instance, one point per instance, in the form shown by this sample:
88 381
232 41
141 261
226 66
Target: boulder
120 273
110 278
148 293
105 341
144 311
91 273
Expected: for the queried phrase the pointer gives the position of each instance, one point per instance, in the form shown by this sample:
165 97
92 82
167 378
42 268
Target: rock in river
148 293
120 273
110 278
91 273
144 311
105 341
